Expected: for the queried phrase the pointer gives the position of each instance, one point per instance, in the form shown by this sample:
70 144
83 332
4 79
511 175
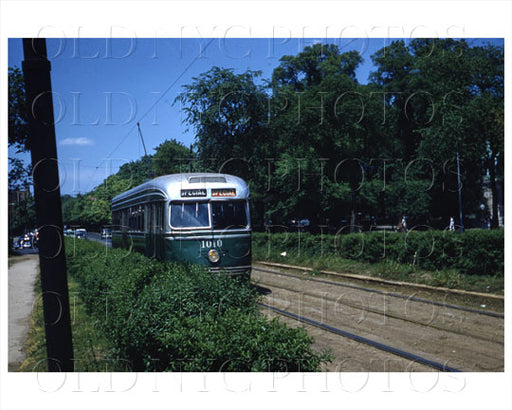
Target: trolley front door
150 236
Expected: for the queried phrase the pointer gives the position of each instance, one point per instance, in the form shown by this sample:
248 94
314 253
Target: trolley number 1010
209 244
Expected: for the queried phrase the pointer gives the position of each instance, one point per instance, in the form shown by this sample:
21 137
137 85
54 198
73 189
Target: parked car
27 241
69 232
106 233
81 233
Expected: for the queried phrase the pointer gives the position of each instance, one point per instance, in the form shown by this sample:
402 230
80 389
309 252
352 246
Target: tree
172 157
445 97
469 120
133 173
227 112
325 114
72 209
19 172
20 175
24 216
18 114
397 81
486 112
312 65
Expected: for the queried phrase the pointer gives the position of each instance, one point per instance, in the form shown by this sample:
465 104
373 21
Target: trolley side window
229 214
116 220
136 218
189 215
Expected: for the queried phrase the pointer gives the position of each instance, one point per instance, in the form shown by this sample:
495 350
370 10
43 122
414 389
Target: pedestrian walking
452 224
404 224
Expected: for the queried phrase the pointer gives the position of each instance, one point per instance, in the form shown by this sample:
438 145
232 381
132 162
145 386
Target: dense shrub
171 317
475 252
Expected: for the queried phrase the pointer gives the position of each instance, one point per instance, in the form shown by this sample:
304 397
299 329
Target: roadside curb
387 282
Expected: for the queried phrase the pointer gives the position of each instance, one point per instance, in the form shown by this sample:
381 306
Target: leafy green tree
227 112
172 157
24 216
312 65
312 128
486 112
468 120
402 88
72 209
19 172
19 176
96 212
17 113
134 172
328 116
445 97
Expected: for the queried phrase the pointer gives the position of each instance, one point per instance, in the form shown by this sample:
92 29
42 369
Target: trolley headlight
213 255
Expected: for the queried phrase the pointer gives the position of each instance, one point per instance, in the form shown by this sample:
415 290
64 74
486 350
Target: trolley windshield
224 215
229 214
189 215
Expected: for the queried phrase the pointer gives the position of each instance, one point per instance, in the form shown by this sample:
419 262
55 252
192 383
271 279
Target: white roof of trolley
171 187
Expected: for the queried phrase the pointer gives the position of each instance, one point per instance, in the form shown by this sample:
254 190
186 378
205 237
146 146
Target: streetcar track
381 281
381 346
380 292
385 314
317 293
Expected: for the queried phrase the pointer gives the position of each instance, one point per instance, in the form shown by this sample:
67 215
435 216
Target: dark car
81 234
26 241
106 233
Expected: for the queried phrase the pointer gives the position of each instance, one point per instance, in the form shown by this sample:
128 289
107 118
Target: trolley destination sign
193 193
223 192
202 192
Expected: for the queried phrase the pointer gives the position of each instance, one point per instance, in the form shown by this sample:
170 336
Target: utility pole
43 149
460 193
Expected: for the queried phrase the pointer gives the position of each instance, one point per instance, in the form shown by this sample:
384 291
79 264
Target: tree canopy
315 143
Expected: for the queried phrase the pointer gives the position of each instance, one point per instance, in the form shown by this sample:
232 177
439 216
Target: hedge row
169 317
475 252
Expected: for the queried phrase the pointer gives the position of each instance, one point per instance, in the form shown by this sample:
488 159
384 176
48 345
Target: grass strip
91 350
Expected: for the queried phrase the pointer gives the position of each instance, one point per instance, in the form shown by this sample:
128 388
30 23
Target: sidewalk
22 275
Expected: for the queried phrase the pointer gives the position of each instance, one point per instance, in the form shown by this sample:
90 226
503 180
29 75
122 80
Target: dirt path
22 275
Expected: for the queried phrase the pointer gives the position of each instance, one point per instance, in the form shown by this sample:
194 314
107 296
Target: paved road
96 237
27 251
22 275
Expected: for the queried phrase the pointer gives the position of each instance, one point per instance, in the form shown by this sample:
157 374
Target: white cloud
81 141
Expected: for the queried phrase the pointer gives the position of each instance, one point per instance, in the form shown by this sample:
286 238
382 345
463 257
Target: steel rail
385 314
360 339
392 294
388 282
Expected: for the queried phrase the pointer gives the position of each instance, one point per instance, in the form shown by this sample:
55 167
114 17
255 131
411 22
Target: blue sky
103 87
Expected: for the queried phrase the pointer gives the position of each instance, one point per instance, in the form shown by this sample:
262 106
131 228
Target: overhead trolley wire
157 101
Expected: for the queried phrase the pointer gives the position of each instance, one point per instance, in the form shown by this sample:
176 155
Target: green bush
475 252
172 317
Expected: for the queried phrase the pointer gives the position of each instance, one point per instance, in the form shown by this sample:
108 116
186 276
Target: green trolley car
198 218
